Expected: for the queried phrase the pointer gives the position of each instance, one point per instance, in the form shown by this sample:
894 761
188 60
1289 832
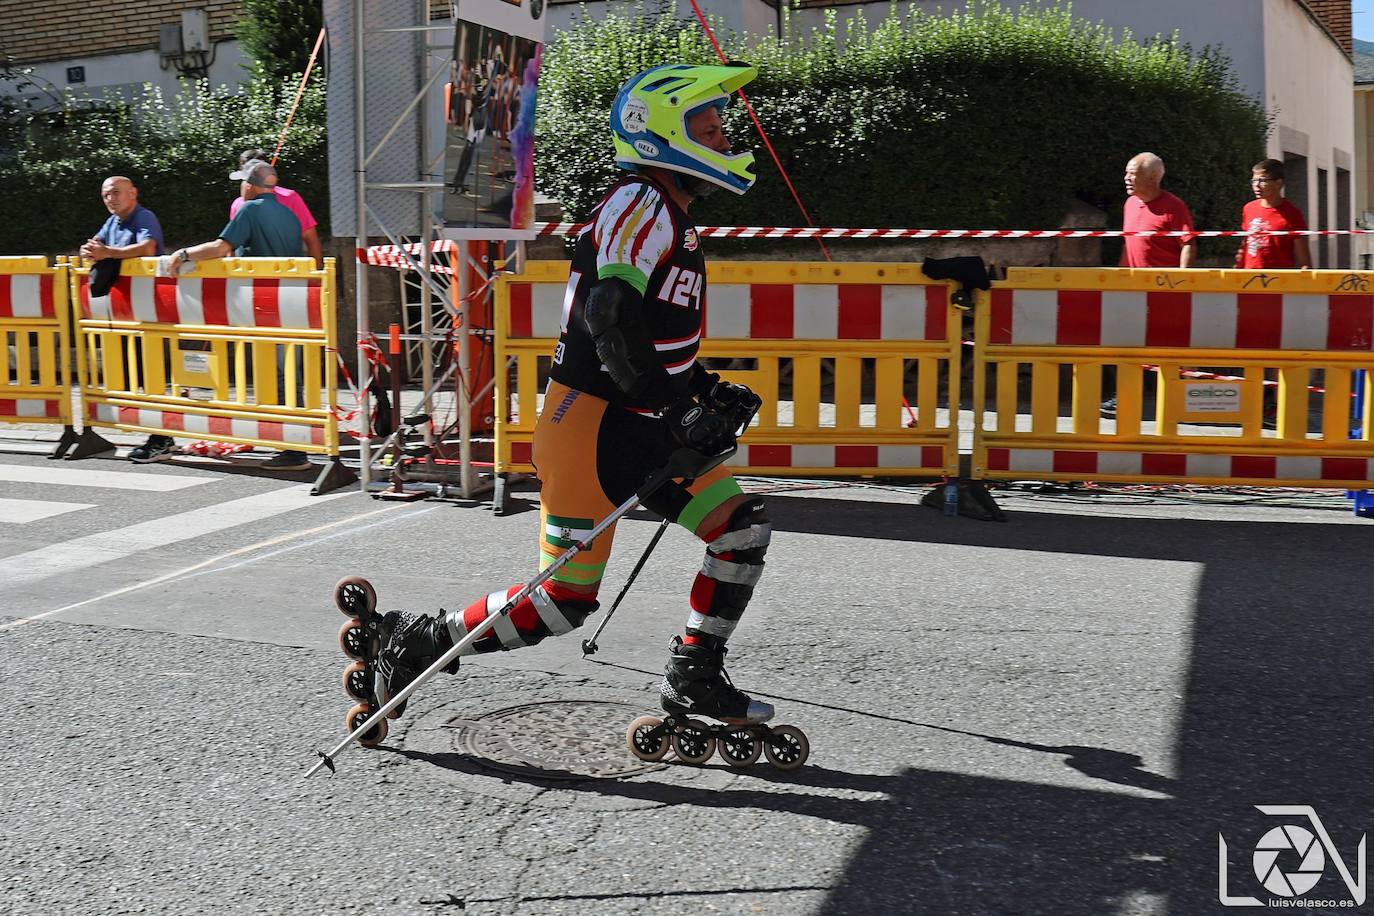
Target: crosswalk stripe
109 480
23 511
109 546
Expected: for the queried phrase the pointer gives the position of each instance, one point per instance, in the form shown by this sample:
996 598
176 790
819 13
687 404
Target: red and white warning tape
391 256
776 232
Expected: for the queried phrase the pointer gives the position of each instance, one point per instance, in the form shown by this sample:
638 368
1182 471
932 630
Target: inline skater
625 392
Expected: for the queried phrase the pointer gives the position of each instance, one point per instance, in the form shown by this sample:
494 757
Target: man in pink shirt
1150 208
310 237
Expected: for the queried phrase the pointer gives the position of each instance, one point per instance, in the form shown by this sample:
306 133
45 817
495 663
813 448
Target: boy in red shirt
1270 212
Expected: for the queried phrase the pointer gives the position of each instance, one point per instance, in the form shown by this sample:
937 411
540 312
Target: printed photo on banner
489 106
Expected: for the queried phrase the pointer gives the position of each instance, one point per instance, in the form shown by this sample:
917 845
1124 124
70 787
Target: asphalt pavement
1060 714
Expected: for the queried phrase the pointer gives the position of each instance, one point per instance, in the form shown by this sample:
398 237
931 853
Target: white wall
1234 24
126 73
753 17
1308 91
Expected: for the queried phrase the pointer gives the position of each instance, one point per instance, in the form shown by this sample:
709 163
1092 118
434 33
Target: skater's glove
699 426
734 400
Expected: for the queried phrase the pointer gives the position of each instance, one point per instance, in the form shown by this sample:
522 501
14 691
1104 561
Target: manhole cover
558 739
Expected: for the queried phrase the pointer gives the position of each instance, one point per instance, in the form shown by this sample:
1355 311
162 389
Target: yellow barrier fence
1045 335
808 338
35 368
240 350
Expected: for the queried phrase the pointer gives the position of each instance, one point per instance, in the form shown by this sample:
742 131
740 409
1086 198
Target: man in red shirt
1150 208
1270 212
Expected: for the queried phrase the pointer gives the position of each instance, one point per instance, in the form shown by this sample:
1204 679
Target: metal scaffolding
427 295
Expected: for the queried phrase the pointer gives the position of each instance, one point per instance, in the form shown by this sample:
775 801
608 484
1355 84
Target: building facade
96 47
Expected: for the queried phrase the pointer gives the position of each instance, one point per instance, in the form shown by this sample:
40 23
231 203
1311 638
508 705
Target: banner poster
489 106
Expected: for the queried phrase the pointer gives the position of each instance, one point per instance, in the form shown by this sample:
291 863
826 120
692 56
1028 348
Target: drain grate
557 739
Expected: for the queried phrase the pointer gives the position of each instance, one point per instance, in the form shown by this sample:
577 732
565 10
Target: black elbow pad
614 315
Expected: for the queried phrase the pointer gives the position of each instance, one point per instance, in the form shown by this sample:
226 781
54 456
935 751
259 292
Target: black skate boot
401 648
388 651
695 683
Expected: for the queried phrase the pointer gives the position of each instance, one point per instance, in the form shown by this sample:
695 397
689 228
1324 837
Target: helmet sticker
634 115
645 148
689 239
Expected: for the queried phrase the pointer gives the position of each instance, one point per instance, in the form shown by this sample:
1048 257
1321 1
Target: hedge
986 118
178 151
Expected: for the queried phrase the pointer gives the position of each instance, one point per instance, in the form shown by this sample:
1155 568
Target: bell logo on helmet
634 115
645 148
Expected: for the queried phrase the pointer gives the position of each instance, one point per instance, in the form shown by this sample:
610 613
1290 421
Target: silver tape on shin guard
718 627
551 613
757 535
503 628
736 573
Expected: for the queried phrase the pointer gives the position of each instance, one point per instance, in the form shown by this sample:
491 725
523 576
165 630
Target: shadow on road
1275 711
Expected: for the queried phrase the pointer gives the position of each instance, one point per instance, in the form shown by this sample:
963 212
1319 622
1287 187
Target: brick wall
1335 15
61 29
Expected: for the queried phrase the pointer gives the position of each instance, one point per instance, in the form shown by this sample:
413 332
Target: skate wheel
357 682
642 740
353 639
360 715
739 748
355 596
693 743
787 747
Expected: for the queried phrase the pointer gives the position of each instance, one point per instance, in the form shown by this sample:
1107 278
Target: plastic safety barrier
35 366
212 354
808 338
1044 336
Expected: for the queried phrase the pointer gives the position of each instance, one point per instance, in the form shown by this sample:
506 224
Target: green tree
278 35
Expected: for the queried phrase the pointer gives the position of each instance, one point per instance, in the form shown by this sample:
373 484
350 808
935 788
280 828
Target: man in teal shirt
263 228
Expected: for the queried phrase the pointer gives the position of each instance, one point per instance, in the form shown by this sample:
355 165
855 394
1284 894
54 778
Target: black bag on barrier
968 271
104 274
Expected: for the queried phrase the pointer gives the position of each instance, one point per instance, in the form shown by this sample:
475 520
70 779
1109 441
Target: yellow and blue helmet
649 122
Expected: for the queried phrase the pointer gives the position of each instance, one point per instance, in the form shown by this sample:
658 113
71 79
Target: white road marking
109 480
109 546
23 511
10 447
200 569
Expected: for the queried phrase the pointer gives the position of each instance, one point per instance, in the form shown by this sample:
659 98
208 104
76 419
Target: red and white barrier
243 303
1154 465
838 457
172 422
774 311
26 296
1096 318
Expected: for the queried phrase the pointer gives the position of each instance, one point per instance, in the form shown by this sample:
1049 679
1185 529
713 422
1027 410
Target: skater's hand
699 426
